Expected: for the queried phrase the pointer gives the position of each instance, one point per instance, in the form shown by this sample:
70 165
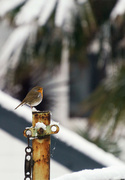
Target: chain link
28 160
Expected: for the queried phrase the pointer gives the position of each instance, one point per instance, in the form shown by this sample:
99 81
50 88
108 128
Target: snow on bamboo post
40 132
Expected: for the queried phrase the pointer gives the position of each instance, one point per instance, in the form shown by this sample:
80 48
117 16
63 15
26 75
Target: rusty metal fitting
35 132
54 129
27 132
40 132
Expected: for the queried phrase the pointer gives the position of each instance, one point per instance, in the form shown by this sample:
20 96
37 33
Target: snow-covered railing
110 173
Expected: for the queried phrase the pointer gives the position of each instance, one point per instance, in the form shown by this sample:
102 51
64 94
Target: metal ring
57 129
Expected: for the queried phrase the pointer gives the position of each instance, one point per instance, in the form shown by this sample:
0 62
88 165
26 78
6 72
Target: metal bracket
39 133
41 130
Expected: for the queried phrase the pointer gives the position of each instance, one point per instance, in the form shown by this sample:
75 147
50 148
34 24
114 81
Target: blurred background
75 50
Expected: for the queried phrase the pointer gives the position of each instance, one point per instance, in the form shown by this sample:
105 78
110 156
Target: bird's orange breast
41 91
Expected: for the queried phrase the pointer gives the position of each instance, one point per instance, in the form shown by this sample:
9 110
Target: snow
16 42
14 166
46 12
7 5
9 103
113 173
119 9
11 157
12 154
31 15
87 148
41 10
64 11
65 135
30 11
40 125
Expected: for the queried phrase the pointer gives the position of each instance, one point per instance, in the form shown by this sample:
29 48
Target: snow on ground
12 155
110 173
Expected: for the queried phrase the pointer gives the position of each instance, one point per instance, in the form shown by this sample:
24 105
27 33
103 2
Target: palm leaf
107 102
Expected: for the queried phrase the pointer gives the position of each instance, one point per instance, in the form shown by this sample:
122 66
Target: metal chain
28 160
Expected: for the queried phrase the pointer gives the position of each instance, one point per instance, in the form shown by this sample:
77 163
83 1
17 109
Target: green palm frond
107 103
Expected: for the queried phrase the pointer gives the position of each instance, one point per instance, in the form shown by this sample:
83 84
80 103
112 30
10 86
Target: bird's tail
19 105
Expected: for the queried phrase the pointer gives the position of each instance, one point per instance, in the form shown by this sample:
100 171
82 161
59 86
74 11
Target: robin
33 98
